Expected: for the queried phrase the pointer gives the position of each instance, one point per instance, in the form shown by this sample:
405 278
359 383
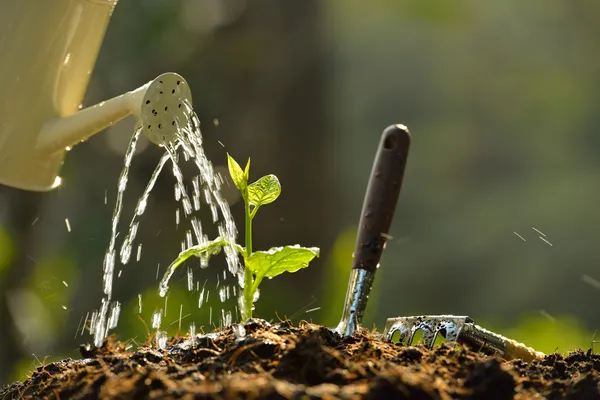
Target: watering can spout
161 106
59 133
43 77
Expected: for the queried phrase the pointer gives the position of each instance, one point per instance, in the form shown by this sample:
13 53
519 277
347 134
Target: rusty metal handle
381 197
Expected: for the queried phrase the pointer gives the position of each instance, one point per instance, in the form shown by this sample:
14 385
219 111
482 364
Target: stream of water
206 186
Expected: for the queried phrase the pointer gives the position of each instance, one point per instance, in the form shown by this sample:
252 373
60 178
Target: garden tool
49 49
376 217
460 329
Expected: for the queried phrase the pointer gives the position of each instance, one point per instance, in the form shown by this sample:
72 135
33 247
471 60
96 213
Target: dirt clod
282 361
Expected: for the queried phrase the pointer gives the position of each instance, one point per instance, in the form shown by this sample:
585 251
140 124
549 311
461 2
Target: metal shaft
376 217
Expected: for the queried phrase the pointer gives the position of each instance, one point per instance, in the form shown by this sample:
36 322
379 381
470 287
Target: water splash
161 339
239 331
191 143
139 210
114 315
222 294
192 138
201 298
206 186
99 328
157 319
190 279
193 334
226 318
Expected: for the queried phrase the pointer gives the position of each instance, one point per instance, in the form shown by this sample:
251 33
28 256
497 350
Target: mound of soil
281 361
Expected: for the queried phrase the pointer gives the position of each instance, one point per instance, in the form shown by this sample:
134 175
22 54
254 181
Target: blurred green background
502 102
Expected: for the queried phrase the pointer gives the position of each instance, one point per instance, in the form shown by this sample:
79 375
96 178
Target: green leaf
208 249
247 170
264 191
240 180
278 260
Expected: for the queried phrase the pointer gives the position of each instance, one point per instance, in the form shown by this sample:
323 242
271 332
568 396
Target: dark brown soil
305 362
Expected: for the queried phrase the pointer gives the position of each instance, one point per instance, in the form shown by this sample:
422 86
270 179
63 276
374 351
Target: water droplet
193 333
161 339
201 298
114 315
156 319
190 279
188 239
239 331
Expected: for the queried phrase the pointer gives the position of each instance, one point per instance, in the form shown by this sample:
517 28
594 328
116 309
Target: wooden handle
381 197
516 350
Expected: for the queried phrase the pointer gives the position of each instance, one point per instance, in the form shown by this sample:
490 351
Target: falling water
212 183
156 319
201 298
190 279
99 327
193 333
139 210
191 142
161 339
205 186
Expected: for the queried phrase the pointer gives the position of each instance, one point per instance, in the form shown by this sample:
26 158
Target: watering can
48 50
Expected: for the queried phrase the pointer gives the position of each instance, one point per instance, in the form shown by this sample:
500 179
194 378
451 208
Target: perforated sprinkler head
166 108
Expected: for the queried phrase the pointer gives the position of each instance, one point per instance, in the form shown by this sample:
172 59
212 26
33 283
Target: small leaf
206 250
247 170
210 248
237 175
264 191
278 260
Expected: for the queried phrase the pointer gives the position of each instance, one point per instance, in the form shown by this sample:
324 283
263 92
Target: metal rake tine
458 329
429 334
449 326
401 325
452 331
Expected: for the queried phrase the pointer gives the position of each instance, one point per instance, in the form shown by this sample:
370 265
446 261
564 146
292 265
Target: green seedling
257 264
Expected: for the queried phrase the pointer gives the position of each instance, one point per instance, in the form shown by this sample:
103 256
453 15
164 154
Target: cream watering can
48 49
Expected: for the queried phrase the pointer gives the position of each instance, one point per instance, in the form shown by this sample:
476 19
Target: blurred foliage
335 277
7 250
549 334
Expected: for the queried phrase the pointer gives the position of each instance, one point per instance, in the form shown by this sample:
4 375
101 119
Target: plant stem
248 231
256 283
248 283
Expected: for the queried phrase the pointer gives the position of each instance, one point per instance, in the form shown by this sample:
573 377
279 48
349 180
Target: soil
283 361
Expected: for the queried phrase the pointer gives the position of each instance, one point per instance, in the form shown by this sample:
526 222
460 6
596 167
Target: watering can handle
381 197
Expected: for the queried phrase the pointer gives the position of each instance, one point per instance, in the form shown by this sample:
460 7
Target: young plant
257 264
